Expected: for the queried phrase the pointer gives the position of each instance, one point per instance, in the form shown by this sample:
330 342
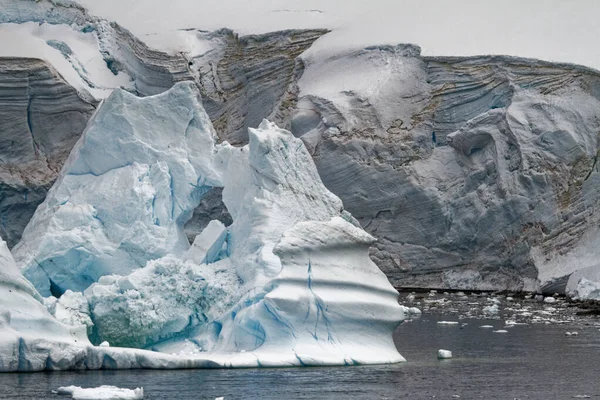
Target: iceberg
124 193
288 283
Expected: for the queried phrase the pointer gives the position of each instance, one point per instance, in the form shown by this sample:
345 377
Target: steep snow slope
289 282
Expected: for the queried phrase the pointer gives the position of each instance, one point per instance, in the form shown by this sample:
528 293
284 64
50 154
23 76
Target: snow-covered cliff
474 172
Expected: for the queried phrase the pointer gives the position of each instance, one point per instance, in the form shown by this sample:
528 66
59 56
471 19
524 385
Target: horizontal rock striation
477 172
473 173
41 118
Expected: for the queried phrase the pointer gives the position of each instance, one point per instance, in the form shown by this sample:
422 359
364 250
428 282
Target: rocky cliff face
473 172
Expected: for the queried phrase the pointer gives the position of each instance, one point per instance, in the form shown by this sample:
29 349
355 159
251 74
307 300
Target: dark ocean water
533 361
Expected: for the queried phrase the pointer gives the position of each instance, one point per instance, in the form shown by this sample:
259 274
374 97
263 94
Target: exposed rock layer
41 118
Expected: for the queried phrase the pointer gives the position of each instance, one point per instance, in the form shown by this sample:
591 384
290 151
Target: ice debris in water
290 282
411 310
103 392
549 300
493 309
447 323
444 354
486 326
571 333
501 331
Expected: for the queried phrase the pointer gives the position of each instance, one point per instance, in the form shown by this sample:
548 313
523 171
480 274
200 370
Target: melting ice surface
288 283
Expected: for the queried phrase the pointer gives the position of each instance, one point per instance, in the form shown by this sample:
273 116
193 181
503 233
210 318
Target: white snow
444 354
103 392
440 28
82 64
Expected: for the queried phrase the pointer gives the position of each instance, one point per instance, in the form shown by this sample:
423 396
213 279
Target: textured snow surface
290 282
442 28
104 392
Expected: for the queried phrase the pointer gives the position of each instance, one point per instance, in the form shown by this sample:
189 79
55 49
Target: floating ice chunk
444 354
491 309
571 333
101 393
447 323
509 298
501 331
411 310
494 300
486 326
549 300
104 344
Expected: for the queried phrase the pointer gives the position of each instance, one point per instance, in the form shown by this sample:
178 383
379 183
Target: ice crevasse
289 283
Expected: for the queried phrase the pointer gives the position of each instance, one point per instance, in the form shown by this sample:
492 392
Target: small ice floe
219 398
501 331
549 300
539 297
104 344
509 298
444 354
103 392
581 396
491 309
493 300
571 333
447 322
486 326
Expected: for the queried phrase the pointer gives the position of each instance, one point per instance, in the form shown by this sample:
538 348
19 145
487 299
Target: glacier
474 172
288 283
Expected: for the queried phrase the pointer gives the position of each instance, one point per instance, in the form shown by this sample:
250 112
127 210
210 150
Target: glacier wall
423 140
473 173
